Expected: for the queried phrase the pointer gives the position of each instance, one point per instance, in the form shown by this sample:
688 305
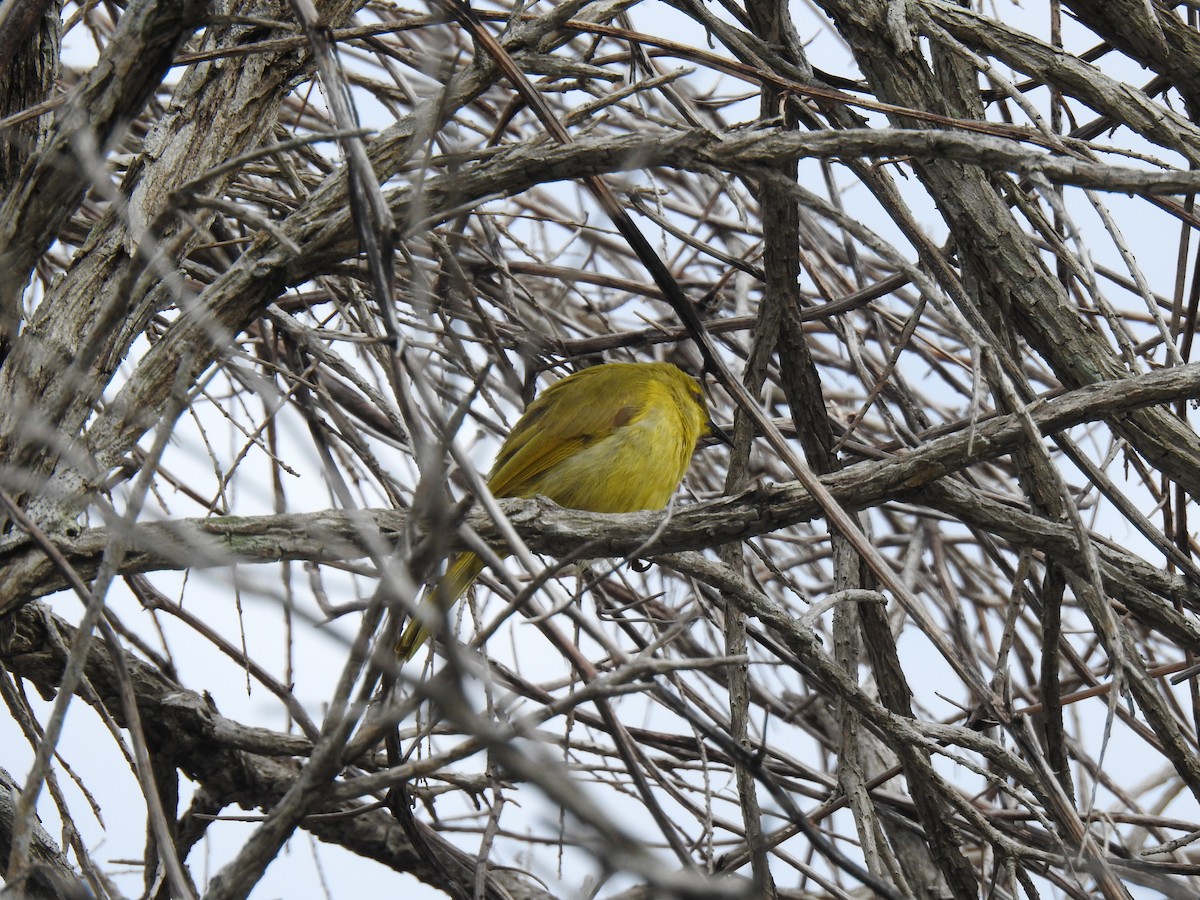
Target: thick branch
335 536
183 727
128 72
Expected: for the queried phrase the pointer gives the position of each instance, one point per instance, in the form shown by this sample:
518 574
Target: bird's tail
463 570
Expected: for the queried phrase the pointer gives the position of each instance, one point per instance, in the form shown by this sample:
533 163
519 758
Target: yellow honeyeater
613 438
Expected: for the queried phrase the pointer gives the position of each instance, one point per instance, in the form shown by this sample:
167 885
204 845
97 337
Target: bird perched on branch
613 438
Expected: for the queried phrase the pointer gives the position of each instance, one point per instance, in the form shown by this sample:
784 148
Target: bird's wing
565 418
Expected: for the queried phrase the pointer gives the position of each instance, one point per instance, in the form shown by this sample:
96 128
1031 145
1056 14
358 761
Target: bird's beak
719 433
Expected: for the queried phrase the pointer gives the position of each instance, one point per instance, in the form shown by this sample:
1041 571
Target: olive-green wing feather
566 417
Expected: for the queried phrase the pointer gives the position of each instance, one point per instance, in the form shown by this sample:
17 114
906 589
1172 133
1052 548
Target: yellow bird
613 438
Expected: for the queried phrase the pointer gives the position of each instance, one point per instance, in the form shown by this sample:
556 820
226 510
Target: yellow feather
613 438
